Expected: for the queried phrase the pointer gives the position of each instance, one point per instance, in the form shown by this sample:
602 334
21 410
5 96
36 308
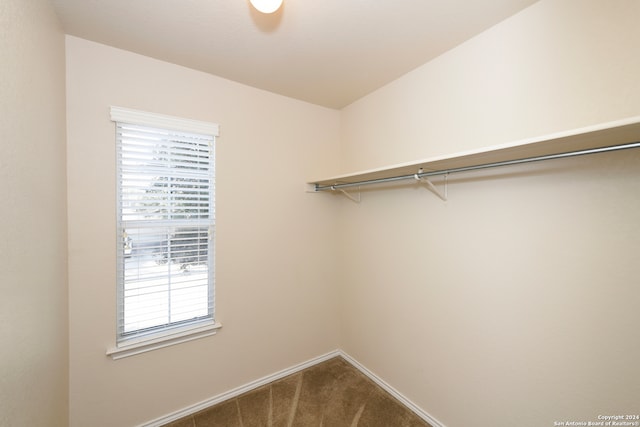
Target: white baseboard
158 422
392 391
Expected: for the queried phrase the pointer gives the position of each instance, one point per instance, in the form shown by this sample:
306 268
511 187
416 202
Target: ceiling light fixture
266 6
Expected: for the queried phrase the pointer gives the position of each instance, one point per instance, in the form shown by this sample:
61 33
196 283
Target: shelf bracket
431 186
346 194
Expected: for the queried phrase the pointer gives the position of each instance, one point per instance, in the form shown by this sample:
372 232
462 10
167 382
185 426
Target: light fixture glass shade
266 6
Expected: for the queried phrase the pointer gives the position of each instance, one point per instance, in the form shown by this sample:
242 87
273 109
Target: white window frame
185 331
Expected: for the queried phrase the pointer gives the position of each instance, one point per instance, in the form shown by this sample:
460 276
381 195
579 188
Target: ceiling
327 52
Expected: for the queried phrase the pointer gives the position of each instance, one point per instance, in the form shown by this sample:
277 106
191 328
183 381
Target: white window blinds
165 225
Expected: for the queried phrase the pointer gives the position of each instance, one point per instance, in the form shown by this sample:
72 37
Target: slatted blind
166 218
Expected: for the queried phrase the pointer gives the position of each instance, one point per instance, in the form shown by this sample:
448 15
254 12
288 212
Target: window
165 226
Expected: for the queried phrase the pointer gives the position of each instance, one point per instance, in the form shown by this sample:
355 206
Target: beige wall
275 255
515 302
512 303
33 253
557 65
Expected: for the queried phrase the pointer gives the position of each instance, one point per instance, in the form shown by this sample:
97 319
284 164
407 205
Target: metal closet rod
477 167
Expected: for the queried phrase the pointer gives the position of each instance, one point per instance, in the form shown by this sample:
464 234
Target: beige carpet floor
330 394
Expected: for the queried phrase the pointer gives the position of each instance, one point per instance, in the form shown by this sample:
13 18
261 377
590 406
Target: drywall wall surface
555 66
275 244
33 246
512 303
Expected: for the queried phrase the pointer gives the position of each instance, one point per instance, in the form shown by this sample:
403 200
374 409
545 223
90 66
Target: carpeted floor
330 394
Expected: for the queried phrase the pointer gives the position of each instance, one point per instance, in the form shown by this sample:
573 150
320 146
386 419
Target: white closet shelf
615 135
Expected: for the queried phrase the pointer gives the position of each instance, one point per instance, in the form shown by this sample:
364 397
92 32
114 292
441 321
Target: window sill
139 347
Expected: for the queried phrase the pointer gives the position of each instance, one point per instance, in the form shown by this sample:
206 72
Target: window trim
143 118
179 334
